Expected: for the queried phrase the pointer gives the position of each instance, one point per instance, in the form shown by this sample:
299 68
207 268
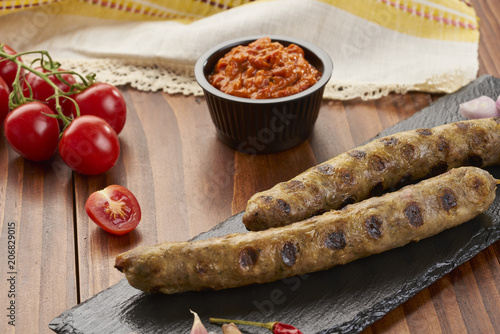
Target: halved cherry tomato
8 69
114 209
4 100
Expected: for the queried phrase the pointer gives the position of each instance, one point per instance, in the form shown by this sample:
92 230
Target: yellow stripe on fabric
131 10
9 6
184 11
118 10
416 18
199 7
457 5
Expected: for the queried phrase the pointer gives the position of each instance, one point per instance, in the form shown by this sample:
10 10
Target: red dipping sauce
264 70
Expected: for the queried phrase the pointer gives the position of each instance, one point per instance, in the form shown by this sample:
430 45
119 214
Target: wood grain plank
486 273
38 205
496 250
58 283
250 176
398 107
156 128
473 311
363 120
97 249
331 135
208 165
447 307
489 28
393 322
420 314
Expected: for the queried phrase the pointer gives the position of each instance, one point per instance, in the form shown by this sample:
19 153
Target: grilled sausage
381 165
321 242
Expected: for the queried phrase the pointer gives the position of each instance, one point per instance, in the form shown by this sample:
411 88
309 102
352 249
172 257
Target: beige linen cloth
377 46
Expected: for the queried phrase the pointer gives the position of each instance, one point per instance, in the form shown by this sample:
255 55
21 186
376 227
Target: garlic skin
198 327
230 329
482 107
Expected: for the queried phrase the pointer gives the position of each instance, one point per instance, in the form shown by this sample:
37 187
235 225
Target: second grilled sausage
336 237
383 164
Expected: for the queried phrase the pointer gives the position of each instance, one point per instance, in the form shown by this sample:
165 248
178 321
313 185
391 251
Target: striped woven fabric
377 46
455 13
454 19
181 10
439 19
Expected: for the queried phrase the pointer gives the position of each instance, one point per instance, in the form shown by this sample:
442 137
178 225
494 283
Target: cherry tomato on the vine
115 209
4 100
8 68
31 133
42 90
105 101
89 145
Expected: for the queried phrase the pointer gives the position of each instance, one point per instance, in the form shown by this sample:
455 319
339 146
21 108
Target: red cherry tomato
105 101
89 145
4 100
8 68
42 90
31 133
114 209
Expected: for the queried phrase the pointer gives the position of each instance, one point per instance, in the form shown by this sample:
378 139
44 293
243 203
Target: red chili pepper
275 327
280 328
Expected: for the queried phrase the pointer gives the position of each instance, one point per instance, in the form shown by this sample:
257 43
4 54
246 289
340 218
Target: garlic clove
230 329
198 327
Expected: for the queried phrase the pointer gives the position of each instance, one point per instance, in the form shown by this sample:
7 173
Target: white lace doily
177 79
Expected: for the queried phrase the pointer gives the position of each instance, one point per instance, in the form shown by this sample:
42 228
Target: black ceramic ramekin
258 126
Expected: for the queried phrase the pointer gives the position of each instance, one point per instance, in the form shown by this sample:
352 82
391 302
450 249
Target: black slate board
345 299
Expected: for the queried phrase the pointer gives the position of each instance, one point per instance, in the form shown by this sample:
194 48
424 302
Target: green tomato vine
51 67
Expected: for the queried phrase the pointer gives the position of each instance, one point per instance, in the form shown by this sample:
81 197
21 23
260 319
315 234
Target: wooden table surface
188 181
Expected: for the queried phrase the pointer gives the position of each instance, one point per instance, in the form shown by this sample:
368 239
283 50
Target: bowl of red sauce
264 92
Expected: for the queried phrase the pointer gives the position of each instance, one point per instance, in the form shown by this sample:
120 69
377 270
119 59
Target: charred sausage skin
384 164
318 243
